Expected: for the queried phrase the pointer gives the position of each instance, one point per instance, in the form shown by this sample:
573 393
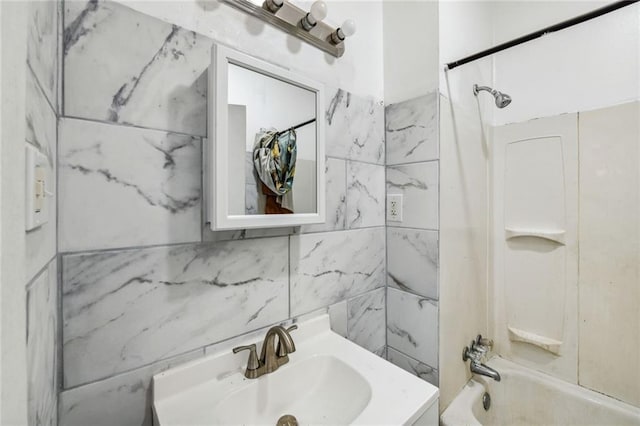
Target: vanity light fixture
307 26
347 29
316 14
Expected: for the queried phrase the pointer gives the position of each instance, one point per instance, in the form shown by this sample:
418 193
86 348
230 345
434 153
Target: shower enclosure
552 273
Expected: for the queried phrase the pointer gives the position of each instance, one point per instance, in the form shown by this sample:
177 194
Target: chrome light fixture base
288 18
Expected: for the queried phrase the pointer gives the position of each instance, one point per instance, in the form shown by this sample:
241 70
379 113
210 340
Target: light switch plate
394 207
37 188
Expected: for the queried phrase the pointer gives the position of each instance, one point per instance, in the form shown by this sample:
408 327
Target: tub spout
484 370
476 353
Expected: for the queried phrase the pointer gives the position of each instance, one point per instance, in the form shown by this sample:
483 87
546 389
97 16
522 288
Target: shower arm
477 89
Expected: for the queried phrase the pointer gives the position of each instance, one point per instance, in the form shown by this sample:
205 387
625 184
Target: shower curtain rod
557 27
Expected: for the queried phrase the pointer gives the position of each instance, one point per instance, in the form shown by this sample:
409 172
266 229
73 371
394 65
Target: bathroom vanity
328 380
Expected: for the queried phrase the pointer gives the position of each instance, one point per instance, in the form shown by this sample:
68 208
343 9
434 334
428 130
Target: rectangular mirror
265 164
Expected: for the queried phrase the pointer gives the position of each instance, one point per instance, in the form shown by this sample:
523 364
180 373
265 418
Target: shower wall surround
412 256
41 262
145 284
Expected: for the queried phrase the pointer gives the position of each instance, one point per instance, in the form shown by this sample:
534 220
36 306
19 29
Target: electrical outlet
394 207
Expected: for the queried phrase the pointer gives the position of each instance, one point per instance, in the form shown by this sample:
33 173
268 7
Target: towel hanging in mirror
274 158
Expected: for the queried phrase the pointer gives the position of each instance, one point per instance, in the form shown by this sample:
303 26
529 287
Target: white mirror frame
216 152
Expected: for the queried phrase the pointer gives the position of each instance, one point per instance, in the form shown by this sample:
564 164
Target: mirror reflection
271 145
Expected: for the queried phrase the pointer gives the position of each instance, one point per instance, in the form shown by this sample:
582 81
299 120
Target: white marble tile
125 399
418 183
413 366
42 43
412 261
41 133
412 326
42 347
381 352
40 118
123 186
336 196
365 195
412 130
124 309
337 317
354 127
330 267
366 320
159 82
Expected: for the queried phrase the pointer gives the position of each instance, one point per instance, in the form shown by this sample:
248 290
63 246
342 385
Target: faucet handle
280 350
253 363
483 341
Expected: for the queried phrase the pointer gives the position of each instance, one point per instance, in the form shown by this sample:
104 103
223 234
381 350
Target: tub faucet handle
483 341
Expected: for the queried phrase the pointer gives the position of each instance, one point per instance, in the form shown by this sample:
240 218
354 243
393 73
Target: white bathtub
527 397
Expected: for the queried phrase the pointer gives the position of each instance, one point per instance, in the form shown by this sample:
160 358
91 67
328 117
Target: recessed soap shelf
546 343
555 235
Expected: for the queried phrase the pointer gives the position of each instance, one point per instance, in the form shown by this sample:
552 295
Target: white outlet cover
394 207
36 217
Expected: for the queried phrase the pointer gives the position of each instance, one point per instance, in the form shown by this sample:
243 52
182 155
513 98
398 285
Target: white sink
328 380
331 393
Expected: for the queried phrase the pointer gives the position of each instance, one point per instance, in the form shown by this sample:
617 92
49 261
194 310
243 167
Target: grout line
386 239
427 298
197 242
413 163
127 248
39 272
59 277
438 269
414 359
147 365
354 160
346 194
412 228
346 300
37 80
131 126
289 274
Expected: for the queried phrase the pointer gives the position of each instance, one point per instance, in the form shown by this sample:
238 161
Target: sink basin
331 393
328 380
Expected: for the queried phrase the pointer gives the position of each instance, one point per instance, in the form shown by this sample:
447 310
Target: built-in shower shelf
555 235
546 343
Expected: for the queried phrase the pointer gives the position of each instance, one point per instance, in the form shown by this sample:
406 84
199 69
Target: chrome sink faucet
475 352
272 356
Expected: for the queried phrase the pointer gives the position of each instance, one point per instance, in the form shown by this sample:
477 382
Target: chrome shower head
502 99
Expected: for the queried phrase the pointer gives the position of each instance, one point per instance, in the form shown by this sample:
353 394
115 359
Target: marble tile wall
119 400
412 326
42 46
412 130
160 80
412 152
125 309
42 347
158 187
41 125
329 267
366 320
145 283
41 280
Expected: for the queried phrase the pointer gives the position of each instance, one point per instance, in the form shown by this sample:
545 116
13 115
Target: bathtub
527 397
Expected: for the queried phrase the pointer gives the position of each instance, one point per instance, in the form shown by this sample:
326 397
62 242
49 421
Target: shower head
502 99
